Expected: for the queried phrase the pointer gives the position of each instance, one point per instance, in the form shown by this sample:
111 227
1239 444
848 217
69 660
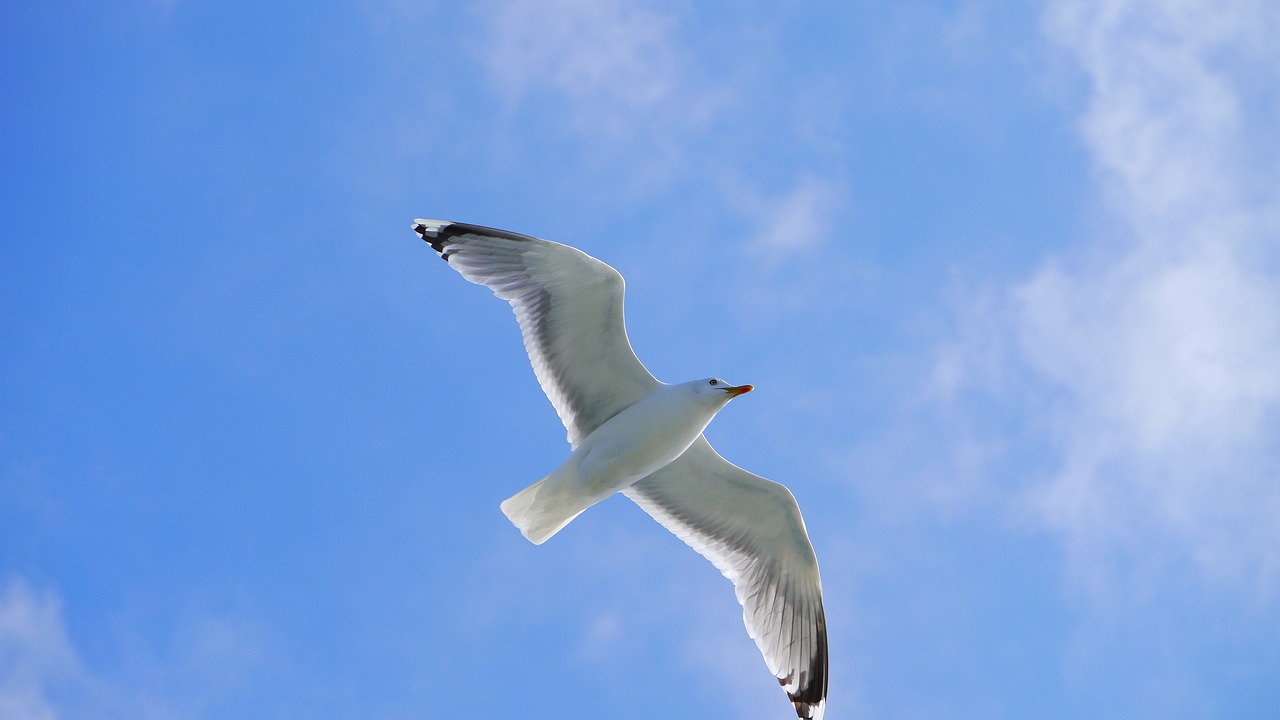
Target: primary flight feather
631 433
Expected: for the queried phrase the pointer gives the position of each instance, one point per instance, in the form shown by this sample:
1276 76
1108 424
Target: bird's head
718 390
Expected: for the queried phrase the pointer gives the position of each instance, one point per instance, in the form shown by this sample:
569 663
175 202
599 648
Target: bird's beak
739 390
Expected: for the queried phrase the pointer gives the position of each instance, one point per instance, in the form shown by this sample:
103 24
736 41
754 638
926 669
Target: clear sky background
1006 277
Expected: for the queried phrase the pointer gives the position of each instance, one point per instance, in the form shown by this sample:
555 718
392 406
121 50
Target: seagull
632 434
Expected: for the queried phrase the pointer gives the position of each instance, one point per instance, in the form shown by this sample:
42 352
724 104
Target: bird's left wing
569 306
750 528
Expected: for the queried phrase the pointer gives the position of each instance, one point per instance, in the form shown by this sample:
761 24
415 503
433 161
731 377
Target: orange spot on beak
739 390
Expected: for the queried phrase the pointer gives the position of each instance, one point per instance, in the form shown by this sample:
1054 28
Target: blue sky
1006 278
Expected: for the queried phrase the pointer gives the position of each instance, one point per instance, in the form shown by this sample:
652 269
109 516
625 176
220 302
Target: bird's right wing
569 306
750 528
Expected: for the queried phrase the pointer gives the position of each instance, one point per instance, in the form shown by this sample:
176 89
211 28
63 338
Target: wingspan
569 306
750 528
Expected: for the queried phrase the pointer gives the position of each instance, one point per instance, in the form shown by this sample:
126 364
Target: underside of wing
569 306
750 528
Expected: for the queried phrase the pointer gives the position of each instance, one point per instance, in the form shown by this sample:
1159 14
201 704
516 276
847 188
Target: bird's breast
637 442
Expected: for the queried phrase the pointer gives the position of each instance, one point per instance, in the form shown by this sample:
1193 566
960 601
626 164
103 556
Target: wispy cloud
785 265
43 676
1155 346
36 658
631 80
616 65
794 222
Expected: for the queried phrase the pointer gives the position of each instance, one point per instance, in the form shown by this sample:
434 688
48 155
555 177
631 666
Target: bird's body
632 434
640 440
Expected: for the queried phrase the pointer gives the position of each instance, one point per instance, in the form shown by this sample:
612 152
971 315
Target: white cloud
36 657
631 79
1157 345
783 264
616 63
793 222
43 677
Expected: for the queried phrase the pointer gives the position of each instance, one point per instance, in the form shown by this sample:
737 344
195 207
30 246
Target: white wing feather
750 528
569 306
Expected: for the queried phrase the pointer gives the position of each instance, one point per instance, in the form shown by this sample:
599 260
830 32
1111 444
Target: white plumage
633 434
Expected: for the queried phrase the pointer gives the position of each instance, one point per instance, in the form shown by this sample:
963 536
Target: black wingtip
435 233
810 698
440 234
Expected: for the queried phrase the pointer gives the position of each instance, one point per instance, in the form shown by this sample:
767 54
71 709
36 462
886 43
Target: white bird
631 433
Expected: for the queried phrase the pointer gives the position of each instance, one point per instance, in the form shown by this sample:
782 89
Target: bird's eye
713 382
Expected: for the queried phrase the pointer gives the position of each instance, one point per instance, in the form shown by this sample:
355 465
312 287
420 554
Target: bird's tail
541 509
